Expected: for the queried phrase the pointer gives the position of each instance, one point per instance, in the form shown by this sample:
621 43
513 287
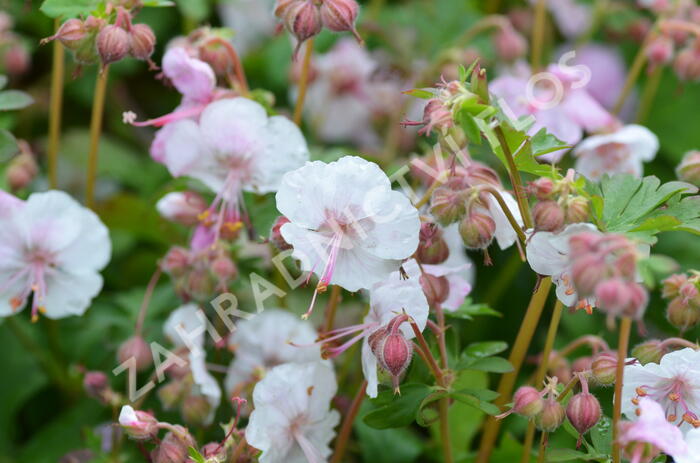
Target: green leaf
485 349
3 81
196 10
397 411
195 455
419 93
8 145
14 99
469 126
544 143
491 365
68 8
601 435
565 455
158 3
400 445
469 309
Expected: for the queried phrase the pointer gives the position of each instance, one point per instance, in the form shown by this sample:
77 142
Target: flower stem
426 354
95 131
303 81
509 215
572 384
515 179
651 87
55 109
331 308
542 372
238 71
345 429
625 327
429 193
517 355
443 410
543 448
537 39
637 65
147 299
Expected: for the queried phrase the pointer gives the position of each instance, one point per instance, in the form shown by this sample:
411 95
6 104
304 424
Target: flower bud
436 116
304 21
16 58
660 50
183 207
689 168
112 44
176 261
477 230
436 289
509 44
224 268
638 298
687 64
527 401
541 188
276 235
577 210
551 416
96 385
582 364
649 351
340 16
174 448
432 248
612 295
447 205
672 285
70 34
142 41
586 272
21 171
604 368
137 424
171 394
583 411
548 216
392 350
282 7
214 451
682 315
138 349
195 410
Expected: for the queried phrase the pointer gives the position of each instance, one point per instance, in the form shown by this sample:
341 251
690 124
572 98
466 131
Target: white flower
674 384
548 254
204 382
186 327
692 455
387 300
346 223
269 339
620 152
505 235
292 421
52 246
251 20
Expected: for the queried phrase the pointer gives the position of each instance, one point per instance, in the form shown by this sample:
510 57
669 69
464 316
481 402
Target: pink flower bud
689 168
583 411
477 230
176 261
649 351
195 410
70 34
282 7
551 416
96 385
660 50
586 272
447 205
548 216
432 248
214 451
509 44
672 285
174 448
16 58
541 188
612 295
137 424
112 44
183 207
303 19
142 41
392 350
224 268
604 368
582 364
477 173
171 394
681 314
215 54
527 401
276 236
638 299
340 16
436 116
138 349
583 244
21 171
576 210
436 289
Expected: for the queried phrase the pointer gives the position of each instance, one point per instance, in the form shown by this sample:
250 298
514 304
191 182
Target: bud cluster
197 275
440 110
558 203
683 293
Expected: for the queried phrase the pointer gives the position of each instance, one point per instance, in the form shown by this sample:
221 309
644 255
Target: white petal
369 369
183 147
505 235
70 293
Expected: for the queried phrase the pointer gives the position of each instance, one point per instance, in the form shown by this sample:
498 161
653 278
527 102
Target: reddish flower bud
138 425
660 50
687 64
112 44
303 20
477 230
176 261
509 44
432 248
22 169
195 410
340 16
16 58
604 368
138 349
583 411
649 352
672 285
142 41
477 173
214 451
70 34
282 7
551 416
276 236
183 207
681 314
582 364
576 210
689 168
612 295
174 448
96 385
436 116
224 268
215 54
541 188
436 289
392 350
638 298
586 272
527 401
447 205
548 216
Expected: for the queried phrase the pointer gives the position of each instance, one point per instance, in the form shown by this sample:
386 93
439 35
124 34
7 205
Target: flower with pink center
559 102
346 224
621 152
674 383
53 248
650 428
549 254
292 421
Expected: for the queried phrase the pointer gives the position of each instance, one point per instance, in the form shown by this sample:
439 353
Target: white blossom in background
252 22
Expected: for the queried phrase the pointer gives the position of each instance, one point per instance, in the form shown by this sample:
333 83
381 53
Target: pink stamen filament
175 116
327 274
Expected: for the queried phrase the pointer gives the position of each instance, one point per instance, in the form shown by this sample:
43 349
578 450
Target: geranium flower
548 254
674 383
621 152
292 421
52 247
346 223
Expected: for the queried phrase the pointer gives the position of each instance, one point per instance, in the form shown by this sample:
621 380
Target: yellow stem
95 131
649 93
543 448
517 355
537 39
345 429
637 65
303 81
515 179
56 106
623 342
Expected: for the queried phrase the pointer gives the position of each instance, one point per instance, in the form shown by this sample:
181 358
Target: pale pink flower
573 18
292 421
52 247
621 152
346 223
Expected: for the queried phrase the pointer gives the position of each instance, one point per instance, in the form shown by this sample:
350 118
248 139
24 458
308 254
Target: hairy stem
426 354
443 410
345 429
623 342
537 40
515 179
98 104
303 81
517 355
55 108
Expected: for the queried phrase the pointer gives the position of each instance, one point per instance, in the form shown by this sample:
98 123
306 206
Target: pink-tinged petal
203 238
183 147
8 203
193 78
459 290
586 111
652 427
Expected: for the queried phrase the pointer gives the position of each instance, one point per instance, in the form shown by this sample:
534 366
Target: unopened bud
138 349
142 41
672 285
541 188
612 295
282 7
112 44
509 44
436 289
432 248
16 58
214 451
174 448
477 230
96 385
176 261
638 299
551 416
649 352
171 394
689 168
340 16
276 235
21 171
195 410
681 314
660 50
582 364
303 20
224 268
583 411
548 216
447 205
577 210
70 34
215 54
586 272
527 401
604 368
392 350
436 116
183 207
137 424
687 64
